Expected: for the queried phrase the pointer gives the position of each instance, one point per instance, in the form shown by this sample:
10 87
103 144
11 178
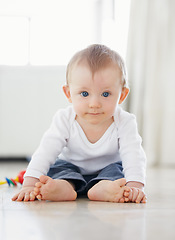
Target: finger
20 196
134 194
144 200
129 197
139 196
32 196
26 197
15 197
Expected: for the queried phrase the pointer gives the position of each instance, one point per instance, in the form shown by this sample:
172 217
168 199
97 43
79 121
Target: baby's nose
94 102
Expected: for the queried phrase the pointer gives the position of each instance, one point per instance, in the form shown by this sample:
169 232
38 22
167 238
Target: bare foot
109 191
54 190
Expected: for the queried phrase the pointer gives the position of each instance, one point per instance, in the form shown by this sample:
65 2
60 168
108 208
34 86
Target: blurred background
38 38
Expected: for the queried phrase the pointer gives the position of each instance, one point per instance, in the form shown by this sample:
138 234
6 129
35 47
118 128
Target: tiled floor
84 220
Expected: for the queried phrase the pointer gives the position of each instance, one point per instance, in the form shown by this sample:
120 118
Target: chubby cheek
79 108
110 112
110 108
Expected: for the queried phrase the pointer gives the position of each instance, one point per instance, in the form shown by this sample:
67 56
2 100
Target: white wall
29 97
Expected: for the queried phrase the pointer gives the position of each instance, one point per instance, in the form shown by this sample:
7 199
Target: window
115 26
49 32
14 40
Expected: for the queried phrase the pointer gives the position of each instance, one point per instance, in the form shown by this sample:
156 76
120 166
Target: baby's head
96 84
97 57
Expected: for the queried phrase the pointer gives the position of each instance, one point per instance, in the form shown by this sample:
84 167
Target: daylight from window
49 32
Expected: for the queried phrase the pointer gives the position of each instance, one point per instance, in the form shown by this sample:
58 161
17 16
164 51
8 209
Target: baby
92 147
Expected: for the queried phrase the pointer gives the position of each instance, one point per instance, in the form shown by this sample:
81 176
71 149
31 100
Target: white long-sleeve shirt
66 140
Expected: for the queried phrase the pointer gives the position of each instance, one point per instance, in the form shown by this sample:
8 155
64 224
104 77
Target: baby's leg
109 191
54 190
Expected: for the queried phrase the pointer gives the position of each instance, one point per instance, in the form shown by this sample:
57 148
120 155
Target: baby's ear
124 94
66 91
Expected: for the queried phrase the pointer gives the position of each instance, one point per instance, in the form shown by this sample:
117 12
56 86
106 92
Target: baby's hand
26 194
136 195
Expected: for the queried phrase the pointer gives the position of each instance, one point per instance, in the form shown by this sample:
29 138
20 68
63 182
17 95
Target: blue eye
84 94
105 94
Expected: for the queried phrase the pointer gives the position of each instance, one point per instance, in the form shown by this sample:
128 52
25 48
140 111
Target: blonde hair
97 56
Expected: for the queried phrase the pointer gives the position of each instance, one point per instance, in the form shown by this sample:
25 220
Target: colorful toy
13 182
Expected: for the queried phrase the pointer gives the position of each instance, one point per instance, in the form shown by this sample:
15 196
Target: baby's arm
26 193
137 194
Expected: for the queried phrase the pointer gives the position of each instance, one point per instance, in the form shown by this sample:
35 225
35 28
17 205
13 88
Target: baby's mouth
94 113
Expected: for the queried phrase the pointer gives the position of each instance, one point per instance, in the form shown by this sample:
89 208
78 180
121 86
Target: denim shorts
68 171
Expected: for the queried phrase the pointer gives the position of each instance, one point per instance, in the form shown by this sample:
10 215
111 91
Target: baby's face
94 97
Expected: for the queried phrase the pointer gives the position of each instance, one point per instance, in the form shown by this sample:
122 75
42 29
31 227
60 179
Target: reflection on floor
84 219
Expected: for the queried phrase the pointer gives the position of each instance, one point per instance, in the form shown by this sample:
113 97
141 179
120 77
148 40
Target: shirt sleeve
131 152
51 145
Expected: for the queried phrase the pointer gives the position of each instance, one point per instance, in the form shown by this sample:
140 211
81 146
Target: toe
38 184
36 191
122 182
122 200
39 197
44 179
127 189
126 194
126 199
